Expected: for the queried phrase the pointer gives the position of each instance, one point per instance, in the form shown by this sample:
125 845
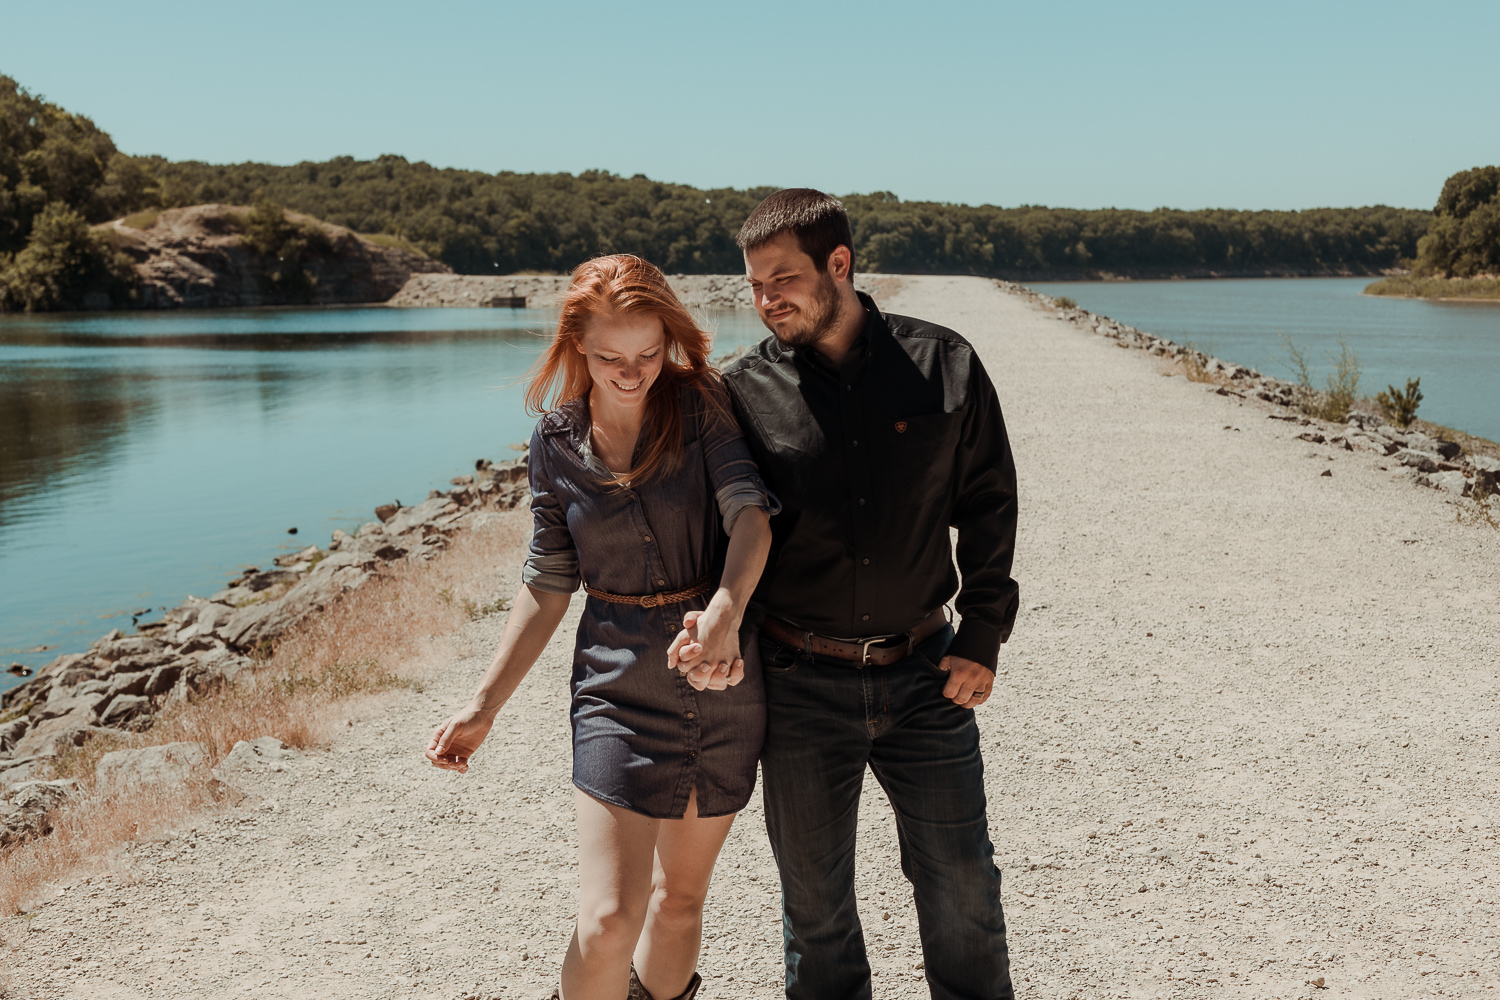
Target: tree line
59 173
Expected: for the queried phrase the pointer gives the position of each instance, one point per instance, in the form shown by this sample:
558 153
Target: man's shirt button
663 583
864 618
866 562
646 537
856 444
861 501
691 715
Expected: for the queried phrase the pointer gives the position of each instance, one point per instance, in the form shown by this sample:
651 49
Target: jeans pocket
776 658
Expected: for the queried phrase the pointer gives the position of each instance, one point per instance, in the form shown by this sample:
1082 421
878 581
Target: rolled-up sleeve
552 566
732 471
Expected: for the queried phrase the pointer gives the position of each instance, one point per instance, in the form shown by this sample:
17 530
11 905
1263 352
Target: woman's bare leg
615 861
686 850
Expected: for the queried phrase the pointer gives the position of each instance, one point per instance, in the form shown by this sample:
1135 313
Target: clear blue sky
1081 104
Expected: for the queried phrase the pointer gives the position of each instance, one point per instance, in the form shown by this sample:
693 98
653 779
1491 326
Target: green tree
1464 240
64 265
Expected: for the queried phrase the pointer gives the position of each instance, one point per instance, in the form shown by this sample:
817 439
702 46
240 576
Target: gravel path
1245 739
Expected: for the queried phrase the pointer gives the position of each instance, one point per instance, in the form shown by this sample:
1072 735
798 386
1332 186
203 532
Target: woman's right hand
455 741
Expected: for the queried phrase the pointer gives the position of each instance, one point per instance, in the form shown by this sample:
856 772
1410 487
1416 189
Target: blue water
144 456
1454 347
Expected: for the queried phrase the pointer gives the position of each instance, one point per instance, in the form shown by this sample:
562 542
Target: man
878 433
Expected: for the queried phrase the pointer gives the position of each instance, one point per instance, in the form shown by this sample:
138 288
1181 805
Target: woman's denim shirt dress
643 739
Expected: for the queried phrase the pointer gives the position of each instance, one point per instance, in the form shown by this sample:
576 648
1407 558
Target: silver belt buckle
865 644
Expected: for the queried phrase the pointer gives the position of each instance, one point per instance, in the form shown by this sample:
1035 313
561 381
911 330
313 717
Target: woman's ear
578 344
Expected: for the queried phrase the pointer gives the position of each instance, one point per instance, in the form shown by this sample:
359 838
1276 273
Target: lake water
146 456
1454 347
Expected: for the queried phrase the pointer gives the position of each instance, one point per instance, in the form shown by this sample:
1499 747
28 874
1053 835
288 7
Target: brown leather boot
638 992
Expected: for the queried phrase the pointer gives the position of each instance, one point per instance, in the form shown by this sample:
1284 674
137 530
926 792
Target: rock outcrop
197 257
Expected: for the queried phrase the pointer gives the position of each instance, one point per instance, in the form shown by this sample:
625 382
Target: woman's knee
675 906
610 924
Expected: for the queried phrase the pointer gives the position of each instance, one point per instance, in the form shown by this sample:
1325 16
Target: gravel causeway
1245 743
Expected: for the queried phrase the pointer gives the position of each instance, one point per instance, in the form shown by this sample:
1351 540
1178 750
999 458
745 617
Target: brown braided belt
653 600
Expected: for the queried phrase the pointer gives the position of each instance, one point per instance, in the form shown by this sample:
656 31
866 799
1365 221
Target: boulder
12 731
1422 461
1453 482
124 708
132 683
165 677
251 759
64 702
340 539
49 737
135 645
168 763
409 518
28 813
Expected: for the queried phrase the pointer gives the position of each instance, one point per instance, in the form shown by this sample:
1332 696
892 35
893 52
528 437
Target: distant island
68 195
1459 256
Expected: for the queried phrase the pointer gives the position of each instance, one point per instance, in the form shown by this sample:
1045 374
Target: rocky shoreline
122 682
543 291
1433 462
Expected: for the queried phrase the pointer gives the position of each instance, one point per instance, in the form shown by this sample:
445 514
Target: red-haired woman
634 466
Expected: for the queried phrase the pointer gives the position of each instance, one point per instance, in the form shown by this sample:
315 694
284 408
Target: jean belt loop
911 641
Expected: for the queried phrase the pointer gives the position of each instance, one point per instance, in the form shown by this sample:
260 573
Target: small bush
1341 389
1399 407
1066 302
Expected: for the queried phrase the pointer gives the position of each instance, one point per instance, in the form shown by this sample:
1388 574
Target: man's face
797 302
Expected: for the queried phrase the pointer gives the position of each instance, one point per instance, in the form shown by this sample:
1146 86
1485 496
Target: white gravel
1244 739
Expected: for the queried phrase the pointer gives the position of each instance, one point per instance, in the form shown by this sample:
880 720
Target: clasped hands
707 650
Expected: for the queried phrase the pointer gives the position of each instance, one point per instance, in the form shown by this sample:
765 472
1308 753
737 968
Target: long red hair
627 285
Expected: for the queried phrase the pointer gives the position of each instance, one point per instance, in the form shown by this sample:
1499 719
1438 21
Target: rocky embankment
198 258
121 682
543 291
1436 463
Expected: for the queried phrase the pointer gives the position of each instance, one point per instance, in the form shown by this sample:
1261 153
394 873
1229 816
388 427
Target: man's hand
969 683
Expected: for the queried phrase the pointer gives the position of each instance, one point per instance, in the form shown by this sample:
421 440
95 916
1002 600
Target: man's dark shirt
873 461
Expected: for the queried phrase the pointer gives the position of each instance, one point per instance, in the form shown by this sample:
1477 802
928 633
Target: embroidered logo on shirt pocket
922 451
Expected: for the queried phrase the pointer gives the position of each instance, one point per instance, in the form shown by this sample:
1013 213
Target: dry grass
386 635
143 219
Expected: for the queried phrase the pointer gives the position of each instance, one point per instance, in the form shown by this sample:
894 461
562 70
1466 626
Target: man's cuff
978 642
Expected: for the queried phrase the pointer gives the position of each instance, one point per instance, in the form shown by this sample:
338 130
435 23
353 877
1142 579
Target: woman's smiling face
624 352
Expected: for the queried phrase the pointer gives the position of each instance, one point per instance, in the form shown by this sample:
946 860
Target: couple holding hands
767 558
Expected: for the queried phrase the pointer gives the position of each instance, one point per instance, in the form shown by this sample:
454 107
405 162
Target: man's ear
841 264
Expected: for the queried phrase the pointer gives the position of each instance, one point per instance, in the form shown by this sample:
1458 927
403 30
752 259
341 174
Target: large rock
251 760
135 645
409 518
52 736
132 683
166 676
1453 482
1422 461
28 811
64 702
168 763
125 707
11 733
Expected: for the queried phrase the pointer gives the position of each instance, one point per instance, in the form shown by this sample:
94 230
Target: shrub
1399 407
1341 389
1066 302
65 265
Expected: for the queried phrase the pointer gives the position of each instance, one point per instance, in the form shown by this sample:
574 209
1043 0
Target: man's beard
828 309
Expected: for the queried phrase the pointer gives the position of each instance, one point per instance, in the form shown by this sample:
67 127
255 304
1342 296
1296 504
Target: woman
634 466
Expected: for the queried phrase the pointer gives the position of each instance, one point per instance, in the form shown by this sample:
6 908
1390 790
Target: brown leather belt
861 651
653 600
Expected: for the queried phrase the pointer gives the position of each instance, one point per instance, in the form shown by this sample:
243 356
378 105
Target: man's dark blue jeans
828 719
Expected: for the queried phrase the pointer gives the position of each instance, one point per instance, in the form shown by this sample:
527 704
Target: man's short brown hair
818 221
